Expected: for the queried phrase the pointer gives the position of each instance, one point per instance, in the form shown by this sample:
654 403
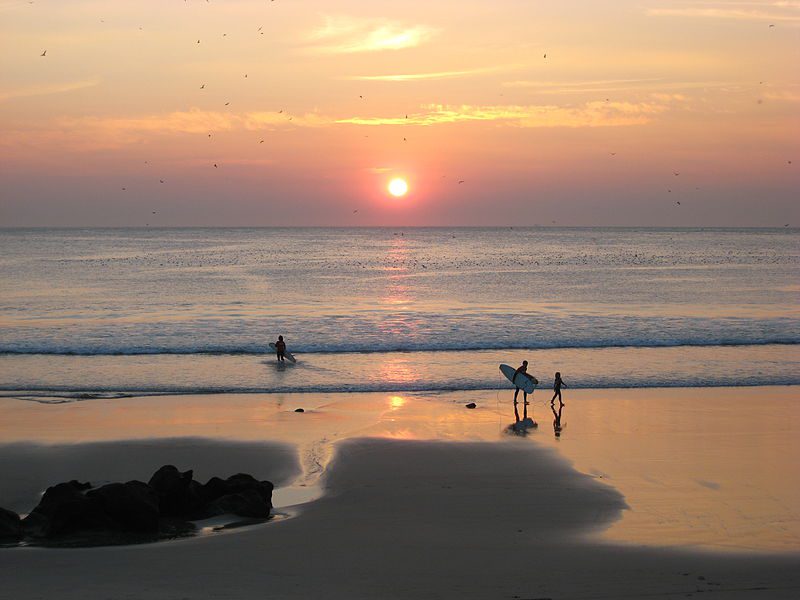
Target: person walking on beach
521 370
557 389
280 348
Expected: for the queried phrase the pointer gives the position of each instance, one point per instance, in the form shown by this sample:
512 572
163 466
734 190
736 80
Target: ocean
88 313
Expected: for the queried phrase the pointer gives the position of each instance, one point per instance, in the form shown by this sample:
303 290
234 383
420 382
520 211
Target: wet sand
424 498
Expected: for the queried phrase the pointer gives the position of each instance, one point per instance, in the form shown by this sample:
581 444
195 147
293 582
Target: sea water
92 312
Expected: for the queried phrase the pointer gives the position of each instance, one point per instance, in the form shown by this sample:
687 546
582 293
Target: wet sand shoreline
422 497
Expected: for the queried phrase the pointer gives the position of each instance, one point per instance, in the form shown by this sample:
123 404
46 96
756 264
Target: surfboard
286 354
523 382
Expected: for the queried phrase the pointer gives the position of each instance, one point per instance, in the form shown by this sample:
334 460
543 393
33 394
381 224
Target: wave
66 394
356 348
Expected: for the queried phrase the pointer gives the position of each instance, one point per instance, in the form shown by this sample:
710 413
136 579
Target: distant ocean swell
405 333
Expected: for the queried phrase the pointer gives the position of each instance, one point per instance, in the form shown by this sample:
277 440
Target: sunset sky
573 113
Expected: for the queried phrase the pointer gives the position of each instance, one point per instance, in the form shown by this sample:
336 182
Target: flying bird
461 181
202 87
43 53
160 181
215 166
678 203
675 173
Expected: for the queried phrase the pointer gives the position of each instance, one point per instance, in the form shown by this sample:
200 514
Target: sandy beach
415 496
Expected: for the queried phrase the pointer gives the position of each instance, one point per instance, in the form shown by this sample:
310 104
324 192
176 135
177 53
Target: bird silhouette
43 53
202 87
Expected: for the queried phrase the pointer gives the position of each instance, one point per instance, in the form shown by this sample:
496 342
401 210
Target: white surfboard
525 382
286 354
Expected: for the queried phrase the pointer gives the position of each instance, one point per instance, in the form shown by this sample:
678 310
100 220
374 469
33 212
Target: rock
235 495
10 526
299 410
133 506
34 524
176 494
86 514
59 494
472 405
248 503
65 509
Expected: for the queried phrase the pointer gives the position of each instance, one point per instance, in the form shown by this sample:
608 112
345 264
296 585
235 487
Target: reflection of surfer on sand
521 426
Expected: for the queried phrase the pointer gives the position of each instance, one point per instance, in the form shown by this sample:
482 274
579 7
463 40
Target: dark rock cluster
161 507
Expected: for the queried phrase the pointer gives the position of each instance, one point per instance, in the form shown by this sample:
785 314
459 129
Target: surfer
557 389
280 348
523 370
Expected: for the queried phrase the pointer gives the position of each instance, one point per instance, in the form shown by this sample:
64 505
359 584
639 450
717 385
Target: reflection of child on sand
557 427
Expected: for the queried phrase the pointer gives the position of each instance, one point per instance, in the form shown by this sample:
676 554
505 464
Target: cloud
786 12
576 87
344 35
47 90
422 76
193 121
590 114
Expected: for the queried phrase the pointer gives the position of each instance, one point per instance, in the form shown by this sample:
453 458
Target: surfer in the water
557 389
280 348
522 369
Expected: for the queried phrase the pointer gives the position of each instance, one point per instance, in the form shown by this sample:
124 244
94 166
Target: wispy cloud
423 76
341 35
590 114
193 121
786 12
46 90
576 87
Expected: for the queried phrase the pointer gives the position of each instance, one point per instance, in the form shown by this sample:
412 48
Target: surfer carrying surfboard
522 370
280 348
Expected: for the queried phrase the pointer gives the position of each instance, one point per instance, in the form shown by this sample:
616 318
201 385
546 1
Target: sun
398 187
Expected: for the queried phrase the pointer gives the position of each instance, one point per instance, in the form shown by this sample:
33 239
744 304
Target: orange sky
578 113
